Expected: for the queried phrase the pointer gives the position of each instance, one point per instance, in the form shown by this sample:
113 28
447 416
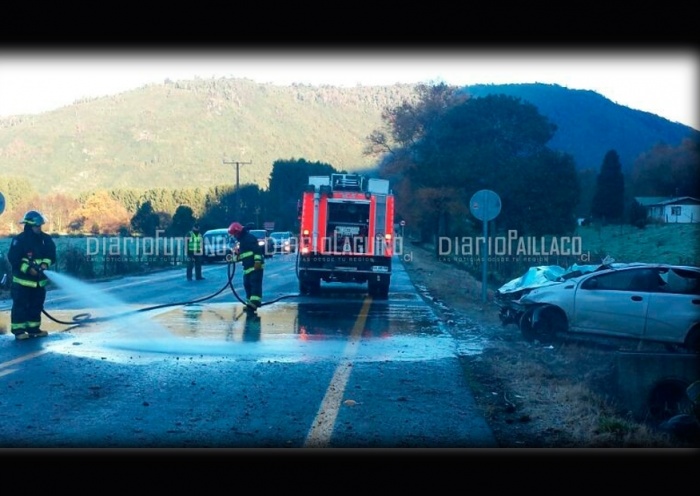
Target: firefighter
32 252
252 258
195 253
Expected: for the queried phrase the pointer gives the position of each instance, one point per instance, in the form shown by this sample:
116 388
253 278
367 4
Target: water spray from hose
87 318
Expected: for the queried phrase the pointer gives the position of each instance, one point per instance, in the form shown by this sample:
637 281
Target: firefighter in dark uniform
195 253
252 258
31 252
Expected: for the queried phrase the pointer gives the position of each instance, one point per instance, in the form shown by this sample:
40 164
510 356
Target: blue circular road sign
485 205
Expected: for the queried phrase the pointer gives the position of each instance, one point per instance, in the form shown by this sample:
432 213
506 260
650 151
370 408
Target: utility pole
238 165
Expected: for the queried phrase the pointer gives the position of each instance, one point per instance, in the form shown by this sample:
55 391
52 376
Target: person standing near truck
195 252
32 252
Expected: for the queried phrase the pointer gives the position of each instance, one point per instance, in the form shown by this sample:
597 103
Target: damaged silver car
654 303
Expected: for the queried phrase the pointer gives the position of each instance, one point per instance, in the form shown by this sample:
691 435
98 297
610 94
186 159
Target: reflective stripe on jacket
194 242
27 249
250 252
30 284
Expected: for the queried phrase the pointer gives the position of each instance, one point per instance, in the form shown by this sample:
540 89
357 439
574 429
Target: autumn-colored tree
403 127
100 214
669 171
406 123
59 210
15 213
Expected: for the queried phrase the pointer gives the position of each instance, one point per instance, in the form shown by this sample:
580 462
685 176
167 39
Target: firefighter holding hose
252 258
32 251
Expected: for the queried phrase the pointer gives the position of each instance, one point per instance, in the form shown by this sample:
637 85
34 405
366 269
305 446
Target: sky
661 81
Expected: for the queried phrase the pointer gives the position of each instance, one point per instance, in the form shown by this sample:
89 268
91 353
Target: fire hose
87 318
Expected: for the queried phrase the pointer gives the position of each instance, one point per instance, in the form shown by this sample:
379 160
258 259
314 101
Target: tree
638 215
145 221
457 146
406 123
20 196
100 213
58 209
288 179
669 171
182 221
608 202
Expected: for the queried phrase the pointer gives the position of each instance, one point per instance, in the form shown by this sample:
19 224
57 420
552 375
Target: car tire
549 323
692 341
526 328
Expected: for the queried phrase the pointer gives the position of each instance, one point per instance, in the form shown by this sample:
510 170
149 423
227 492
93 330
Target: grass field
89 257
656 243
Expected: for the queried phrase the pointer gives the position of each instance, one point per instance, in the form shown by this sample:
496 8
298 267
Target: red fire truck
346 233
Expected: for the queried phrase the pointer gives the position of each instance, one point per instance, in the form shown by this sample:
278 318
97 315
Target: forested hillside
588 124
179 134
186 134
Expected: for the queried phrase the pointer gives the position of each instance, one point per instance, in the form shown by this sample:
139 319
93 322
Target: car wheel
544 330
550 322
692 341
526 328
673 348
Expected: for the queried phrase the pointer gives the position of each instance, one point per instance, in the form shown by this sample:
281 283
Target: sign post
485 205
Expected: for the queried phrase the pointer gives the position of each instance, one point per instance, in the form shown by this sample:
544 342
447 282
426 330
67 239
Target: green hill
179 134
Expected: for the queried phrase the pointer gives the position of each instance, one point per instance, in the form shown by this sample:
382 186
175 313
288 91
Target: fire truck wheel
310 287
378 290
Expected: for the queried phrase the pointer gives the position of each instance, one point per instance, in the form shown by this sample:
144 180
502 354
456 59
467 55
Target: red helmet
235 229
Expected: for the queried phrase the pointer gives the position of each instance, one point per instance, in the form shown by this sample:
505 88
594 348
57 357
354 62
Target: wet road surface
337 370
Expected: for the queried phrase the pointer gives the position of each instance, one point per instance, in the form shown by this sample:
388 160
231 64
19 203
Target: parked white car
656 303
284 242
218 244
265 241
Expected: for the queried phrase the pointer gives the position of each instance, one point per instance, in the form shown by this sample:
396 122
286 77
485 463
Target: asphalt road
166 363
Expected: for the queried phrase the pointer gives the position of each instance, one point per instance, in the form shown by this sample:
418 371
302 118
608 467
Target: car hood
544 275
548 275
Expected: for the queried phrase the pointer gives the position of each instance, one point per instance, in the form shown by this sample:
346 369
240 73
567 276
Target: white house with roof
671 210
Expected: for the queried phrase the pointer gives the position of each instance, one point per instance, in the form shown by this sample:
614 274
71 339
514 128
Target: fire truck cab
346 233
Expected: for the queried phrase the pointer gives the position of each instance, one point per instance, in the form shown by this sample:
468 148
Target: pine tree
609 200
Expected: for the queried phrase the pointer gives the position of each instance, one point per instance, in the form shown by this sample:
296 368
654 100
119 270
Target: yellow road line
320 433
